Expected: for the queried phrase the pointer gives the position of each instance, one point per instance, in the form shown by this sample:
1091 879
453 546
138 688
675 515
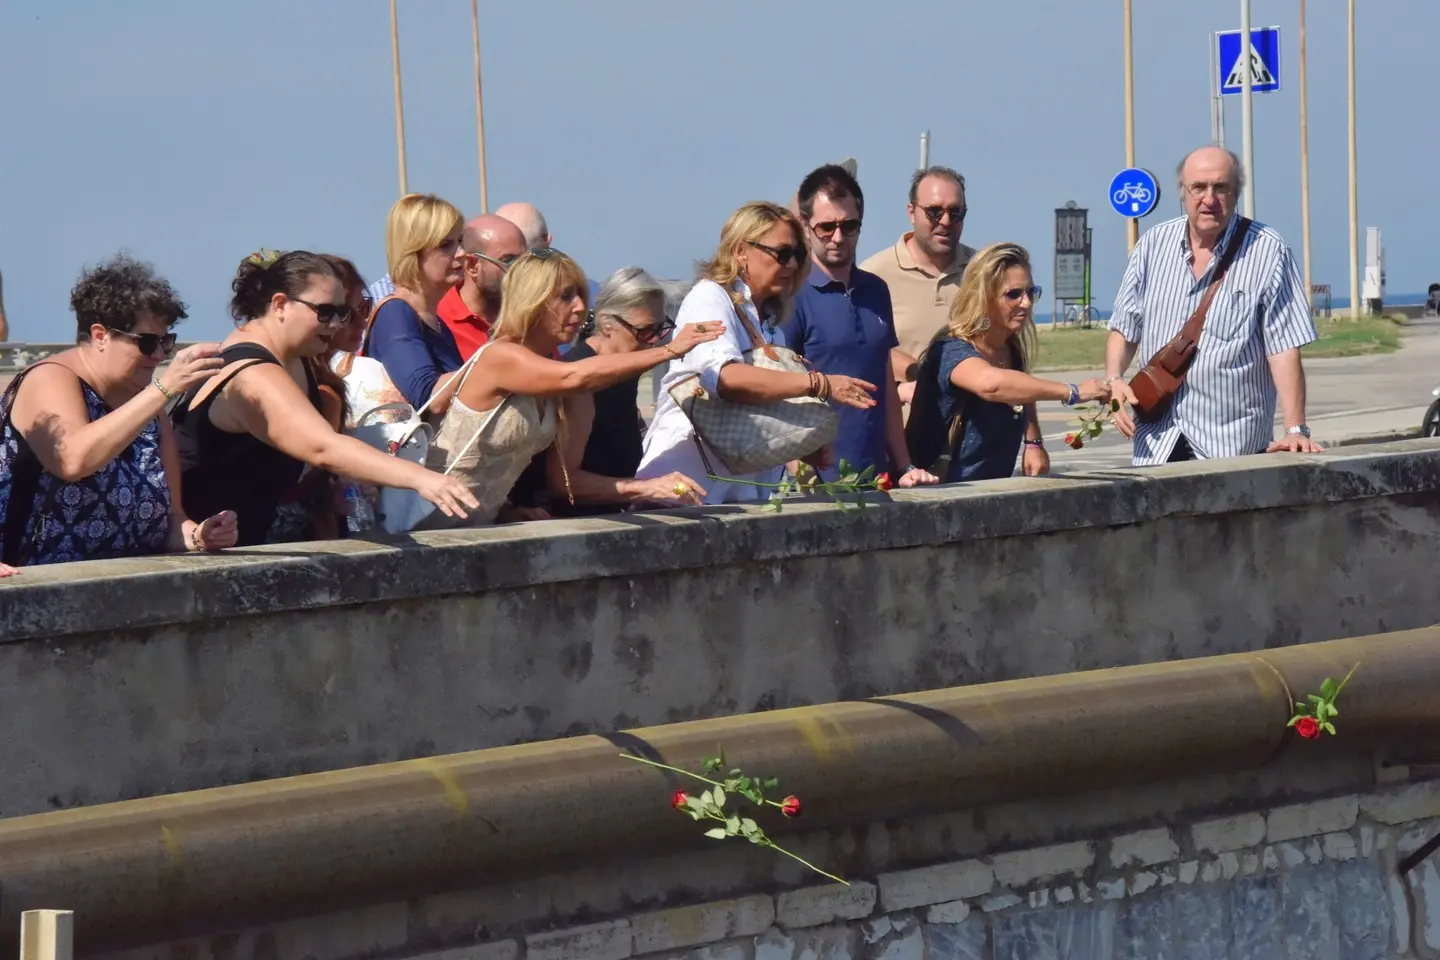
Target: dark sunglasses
330 314
648 334
827 228
1014 295
782 255
148 342
933 214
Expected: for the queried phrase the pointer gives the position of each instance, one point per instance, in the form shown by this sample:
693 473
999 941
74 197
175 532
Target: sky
193 133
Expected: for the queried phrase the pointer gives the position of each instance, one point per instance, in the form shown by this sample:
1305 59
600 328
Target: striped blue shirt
380 289
1226 407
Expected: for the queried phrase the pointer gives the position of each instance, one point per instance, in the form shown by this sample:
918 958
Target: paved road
1348 397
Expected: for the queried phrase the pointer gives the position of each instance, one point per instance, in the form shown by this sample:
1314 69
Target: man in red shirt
491 243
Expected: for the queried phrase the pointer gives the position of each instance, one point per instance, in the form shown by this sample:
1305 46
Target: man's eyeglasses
1014 295
1221 190
782 255
148 343
933 214
502 262
330 314
650 334
826 228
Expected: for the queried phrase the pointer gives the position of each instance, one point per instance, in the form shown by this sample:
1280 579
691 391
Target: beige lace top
521 428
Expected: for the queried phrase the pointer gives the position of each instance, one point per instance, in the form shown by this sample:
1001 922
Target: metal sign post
1072 257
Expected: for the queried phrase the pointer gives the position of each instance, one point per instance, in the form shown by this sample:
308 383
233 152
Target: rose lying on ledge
1313 717
712 805
807 480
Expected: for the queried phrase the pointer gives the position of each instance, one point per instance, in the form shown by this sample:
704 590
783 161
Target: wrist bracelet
195 540
670 350
1035 443
155 382
1074 397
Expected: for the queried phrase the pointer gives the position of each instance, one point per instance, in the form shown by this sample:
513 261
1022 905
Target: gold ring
680 489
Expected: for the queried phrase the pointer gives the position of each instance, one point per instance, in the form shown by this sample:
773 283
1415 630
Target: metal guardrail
192 864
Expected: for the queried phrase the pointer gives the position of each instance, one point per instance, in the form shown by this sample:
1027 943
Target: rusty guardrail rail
203 862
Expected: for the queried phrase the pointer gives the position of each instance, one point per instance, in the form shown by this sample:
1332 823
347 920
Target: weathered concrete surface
130 678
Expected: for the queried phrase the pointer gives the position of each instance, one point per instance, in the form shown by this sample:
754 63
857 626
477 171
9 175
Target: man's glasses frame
826 228
935 213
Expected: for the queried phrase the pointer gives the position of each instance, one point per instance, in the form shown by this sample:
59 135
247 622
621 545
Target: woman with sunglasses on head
246 435
507 411
88 467
604 433
973 376
759 268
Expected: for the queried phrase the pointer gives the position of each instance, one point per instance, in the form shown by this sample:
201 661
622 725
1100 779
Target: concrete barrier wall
131 678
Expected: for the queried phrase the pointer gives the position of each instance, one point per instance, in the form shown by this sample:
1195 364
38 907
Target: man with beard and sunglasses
491 244
924 267
843 323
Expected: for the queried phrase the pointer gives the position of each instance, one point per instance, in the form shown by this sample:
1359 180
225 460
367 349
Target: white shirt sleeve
707 302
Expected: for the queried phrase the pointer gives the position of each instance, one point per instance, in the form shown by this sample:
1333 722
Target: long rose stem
693 776
775 846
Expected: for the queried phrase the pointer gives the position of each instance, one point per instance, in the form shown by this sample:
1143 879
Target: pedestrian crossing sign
1262 59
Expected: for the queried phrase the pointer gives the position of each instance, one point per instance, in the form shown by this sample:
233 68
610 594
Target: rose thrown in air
1308 727
790 806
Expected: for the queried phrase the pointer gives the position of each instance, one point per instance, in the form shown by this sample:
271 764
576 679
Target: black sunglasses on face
933 214
782 255
147 343
650 334
330 314
827 228
1014 295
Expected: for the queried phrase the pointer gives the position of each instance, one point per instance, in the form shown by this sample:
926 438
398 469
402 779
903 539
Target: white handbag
401 509
748 437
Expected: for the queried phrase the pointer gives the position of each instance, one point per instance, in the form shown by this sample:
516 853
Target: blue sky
192 133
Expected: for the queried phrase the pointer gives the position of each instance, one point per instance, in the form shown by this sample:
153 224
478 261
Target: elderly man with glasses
1248 352
491 244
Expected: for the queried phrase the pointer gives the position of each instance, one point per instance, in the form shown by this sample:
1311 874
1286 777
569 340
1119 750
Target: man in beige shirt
924 266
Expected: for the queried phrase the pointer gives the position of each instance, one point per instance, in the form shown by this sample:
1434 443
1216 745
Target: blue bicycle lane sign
1134 193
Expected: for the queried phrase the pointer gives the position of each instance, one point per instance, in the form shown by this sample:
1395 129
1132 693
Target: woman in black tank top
246 435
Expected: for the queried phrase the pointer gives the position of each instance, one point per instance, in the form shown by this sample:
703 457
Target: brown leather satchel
1159 380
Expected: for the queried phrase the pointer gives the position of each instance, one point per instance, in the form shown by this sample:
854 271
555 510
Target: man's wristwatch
1300 431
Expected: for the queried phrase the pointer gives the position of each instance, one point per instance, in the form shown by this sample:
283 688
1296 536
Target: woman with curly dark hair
88 468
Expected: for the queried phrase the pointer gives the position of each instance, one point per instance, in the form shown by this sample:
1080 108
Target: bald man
470 310
531 222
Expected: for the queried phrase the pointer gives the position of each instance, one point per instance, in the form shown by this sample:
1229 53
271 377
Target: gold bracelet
155 382
670 350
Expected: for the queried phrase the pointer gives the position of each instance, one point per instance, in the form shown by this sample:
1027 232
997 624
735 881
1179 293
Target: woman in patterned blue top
88 468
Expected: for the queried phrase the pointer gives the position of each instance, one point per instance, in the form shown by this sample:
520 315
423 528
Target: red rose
882 482
1074 440
1308 728
680 800
790 806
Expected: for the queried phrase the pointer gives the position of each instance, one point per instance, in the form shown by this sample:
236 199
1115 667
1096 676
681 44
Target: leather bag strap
1193 327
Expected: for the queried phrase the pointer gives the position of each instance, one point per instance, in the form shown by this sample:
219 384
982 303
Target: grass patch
1076 348
1343 337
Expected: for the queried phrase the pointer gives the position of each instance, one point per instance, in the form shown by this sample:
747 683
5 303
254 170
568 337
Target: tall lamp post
1132 226
399 101
1354 191
1247 128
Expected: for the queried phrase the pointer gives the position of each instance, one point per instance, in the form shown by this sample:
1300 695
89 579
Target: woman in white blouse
759 267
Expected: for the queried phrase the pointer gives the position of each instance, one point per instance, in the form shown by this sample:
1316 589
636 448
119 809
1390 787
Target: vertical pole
47 935
479 103
925 150
1304 162
1247 130
399 101
1132 226
1354 191
1215 132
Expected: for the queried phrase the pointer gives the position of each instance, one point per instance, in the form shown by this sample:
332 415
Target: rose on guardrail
849 483
721 804
1314 715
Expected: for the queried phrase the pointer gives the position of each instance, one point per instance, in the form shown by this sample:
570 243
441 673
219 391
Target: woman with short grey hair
604 433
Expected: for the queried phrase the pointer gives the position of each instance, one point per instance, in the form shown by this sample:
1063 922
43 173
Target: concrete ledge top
63 599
